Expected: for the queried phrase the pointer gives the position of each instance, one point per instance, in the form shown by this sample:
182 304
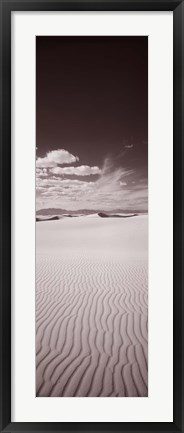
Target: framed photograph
91 216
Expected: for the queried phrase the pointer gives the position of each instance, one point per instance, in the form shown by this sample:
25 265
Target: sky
92 122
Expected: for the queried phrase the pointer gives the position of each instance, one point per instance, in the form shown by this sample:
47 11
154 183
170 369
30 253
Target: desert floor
91 307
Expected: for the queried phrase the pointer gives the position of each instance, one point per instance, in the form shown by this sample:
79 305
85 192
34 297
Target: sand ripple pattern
91 327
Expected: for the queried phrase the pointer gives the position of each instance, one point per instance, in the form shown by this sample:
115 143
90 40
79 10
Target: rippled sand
91 307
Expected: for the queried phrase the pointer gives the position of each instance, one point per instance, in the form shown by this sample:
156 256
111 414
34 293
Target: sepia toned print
91 216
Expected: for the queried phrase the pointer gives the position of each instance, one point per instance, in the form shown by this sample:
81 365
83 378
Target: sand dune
117 215
48 218
99 214
91 307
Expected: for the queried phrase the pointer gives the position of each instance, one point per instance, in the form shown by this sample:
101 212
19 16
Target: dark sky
92 100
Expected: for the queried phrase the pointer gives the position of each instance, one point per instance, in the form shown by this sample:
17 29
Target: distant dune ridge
48 217
91 307
106 215
55 211
51 218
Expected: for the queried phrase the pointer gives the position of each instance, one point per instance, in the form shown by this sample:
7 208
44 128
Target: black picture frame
6 6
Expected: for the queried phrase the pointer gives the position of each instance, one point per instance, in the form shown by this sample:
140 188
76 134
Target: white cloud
57 183
110 180
41 172
55 157
82 170
129 146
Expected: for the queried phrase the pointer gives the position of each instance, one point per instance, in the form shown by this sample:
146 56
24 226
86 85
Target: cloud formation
41 172
55 157
129 146
111 178
82 170
115 187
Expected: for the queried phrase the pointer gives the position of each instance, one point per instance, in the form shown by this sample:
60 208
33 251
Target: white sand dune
91 307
